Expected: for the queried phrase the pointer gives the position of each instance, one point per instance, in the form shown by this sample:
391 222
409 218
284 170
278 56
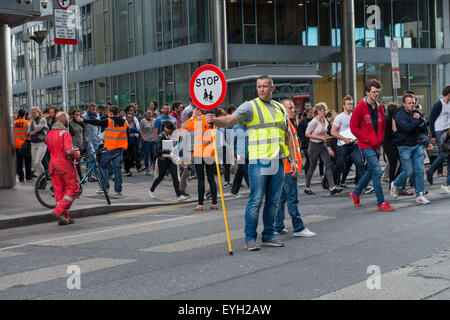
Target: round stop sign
208 87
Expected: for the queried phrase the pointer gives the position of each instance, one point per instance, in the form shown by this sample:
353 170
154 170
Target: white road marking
217 238
57 272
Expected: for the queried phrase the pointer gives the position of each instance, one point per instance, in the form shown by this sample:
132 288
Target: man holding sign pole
270 142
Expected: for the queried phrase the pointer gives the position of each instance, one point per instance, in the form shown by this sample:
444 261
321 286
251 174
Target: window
198 21
406 23
291 28
234 21
180 23
266 22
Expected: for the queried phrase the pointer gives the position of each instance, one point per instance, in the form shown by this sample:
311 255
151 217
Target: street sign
208 87
396 83
64 4
65 26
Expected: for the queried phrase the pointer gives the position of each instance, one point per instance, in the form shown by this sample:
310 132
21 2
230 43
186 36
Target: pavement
20 206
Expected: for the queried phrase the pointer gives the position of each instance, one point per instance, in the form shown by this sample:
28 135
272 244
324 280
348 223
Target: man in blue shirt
163 117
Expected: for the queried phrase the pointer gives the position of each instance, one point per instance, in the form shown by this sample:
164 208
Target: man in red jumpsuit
62 167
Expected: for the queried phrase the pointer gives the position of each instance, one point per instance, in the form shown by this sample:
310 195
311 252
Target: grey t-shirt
245 114
146 129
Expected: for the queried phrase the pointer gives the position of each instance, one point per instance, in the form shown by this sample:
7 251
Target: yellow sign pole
221 192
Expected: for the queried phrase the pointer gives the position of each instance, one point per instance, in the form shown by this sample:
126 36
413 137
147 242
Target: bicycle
45 193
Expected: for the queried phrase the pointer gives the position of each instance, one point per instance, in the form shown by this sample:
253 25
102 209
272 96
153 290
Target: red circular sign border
64 8
222 79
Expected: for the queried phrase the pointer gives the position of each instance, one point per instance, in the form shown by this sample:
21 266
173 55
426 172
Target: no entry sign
208 87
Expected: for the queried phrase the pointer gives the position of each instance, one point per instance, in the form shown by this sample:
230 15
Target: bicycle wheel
44 191
102 184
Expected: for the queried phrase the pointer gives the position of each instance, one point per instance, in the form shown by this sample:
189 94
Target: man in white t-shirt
347 145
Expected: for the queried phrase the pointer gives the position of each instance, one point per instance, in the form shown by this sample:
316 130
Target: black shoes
335 190
430 177
309 192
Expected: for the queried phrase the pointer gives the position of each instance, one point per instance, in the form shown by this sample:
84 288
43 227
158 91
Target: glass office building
142 50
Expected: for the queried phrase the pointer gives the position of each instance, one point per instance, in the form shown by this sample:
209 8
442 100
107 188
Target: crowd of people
263 141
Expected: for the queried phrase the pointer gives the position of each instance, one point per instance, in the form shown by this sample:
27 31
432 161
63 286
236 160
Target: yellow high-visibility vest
266 133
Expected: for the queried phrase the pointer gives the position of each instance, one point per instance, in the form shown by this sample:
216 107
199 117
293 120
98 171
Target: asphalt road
173 252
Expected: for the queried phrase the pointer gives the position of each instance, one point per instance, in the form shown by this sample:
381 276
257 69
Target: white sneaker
369 189
100 191
445 189
151 194
181 198
422 200
304 233
393 191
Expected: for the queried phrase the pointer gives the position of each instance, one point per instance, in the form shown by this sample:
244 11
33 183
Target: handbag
25 149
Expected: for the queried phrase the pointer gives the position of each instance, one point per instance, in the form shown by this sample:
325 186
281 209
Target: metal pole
64 77
348 52
219 27
7 151
26 42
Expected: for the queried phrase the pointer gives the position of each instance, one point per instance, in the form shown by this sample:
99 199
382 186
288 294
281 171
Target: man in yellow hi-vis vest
270 141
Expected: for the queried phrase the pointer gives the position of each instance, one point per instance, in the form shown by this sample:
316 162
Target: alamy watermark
374 281
74 280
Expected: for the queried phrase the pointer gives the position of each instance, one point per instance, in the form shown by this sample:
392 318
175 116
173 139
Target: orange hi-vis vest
116 136
298 155
20 132
203 136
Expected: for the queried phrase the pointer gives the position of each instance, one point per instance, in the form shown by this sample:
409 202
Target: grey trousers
316 150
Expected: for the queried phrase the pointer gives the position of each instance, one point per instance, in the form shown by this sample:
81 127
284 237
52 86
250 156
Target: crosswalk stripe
57 272
216 238
74 238
4 254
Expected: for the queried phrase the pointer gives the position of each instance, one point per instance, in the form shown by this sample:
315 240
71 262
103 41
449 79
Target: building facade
142 51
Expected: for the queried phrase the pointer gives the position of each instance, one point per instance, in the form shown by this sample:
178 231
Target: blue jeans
149 148
441 158
117 167
412 166
289 194
343 155
263 182
91 146
373 173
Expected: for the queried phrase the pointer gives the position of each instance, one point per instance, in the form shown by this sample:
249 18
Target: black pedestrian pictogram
210 96
205 95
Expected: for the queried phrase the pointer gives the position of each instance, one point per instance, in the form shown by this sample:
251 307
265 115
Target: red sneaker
355 199
385 207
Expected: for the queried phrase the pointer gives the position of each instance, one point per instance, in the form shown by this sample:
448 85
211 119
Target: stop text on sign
208 87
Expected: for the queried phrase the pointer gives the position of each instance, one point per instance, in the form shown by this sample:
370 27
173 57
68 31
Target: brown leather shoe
214 207
404 193
199 208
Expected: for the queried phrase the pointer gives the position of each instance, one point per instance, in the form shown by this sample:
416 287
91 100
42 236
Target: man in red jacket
367 125
62 168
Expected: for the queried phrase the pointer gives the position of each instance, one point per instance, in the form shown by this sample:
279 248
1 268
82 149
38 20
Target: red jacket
59 144
362 127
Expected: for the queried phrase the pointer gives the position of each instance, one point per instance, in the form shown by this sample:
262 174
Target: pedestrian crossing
57 272
216 238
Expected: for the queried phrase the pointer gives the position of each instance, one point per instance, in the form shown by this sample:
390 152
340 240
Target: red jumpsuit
62 169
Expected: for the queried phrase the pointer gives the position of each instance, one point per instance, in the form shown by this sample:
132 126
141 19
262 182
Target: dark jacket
104 122
435 113
410 131
301 132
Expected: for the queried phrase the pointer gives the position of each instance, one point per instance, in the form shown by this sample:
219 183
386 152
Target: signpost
65 34
208 88
396 83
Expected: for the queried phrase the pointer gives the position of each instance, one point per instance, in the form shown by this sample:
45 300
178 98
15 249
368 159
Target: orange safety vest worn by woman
203 137
298 156
116 136
20 132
